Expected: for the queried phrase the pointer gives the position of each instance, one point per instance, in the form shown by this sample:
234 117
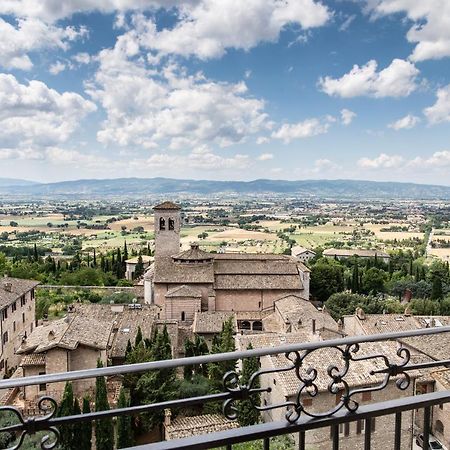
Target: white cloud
148 107
300 130
383 161
396 80
56 68
405 123
347 116
440 111
437 160
208 28
262 140
347 22
30 35
324 165
82 58
34 115
51 10
431 28
265 157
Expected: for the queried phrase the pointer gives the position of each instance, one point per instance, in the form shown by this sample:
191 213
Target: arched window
183 316
439 427
162 223
171 224
245 325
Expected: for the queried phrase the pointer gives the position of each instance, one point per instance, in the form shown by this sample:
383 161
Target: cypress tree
125 251
138 338
94 262
104 430
124 431
66 408
247 414
139 269
129 349
436 288
85 429
35 253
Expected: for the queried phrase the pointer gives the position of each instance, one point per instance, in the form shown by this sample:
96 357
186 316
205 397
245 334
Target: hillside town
195 302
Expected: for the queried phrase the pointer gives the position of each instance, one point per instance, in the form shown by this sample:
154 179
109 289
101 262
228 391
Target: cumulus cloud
34 115
396 80
149 107
57 67
437 160
30 35
405 123
383 161
208 28
347 116
324 165
307 128
431 24
440 111
265 157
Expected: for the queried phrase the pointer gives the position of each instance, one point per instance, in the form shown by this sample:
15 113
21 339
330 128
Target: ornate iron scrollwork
31 425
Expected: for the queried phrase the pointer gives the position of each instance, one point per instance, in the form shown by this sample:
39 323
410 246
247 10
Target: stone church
183 283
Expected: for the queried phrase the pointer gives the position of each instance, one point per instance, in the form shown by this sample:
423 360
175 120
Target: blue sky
225 89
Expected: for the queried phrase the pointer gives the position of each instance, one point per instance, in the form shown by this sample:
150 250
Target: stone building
130 265
284 387
17 318
303 254
183 283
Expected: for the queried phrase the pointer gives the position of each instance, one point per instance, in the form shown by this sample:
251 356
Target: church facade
182 283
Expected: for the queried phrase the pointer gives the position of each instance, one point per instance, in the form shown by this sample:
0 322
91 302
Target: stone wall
176 306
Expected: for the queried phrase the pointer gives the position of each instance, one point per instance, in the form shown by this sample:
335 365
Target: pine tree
85 429
247 414
124 431
66 408
104 430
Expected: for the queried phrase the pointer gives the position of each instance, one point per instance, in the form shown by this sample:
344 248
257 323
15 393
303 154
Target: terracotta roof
355 252
250 266
358 375
33 360
298 250
435 346
299 313
211 322
251 281
194 254
13 288
386 323
184 291
135 260
182 427
166 206
68 333
443 377
168 271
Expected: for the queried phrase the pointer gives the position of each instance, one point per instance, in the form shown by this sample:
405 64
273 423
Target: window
171 224
5 337
366 396
5 314
22 300
42 386
183 316
274 381
2 364
14 326
32 294
13 306
162 223
439 427
23 317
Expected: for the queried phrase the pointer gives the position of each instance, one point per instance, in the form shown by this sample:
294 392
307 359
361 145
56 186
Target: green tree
139 337
247 414
85 428
327 278
436 288
104 429
139 269
373 281
66 408
124 431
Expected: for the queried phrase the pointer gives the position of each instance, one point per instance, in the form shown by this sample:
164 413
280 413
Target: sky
225 89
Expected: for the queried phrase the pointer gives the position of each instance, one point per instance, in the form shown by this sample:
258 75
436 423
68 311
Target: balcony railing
298 418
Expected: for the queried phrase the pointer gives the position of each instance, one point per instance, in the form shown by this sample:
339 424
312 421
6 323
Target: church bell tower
167 229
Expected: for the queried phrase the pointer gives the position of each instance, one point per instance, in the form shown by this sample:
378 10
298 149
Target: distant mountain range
142 187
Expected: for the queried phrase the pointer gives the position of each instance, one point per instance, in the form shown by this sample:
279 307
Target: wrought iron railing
298 418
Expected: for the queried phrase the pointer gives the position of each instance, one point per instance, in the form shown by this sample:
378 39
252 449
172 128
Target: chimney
314 326
7 286
167 417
